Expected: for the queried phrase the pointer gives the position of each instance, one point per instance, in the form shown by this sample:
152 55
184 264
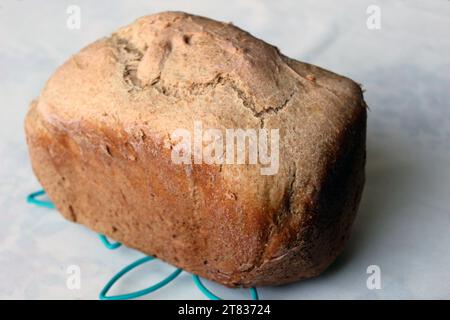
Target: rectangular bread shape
101 143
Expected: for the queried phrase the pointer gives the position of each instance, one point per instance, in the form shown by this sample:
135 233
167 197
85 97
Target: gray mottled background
403 224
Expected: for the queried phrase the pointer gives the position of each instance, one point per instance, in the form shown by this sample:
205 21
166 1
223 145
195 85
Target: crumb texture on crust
99 141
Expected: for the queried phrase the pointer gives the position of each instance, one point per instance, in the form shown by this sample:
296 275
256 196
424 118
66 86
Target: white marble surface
403 224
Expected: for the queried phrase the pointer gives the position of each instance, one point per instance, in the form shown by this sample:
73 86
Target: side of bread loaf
100 142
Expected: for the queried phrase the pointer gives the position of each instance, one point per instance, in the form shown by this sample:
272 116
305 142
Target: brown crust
99 143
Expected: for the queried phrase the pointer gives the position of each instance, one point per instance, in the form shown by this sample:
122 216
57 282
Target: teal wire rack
35 199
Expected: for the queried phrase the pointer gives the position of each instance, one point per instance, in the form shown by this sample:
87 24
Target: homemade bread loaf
100 141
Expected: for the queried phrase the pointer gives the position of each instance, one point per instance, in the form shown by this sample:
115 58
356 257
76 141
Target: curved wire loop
212 296
33 199
109 245
139 293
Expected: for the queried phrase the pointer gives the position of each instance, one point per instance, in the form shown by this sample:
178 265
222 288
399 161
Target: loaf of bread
102 144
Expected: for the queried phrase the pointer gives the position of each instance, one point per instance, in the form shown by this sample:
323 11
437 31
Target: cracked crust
99 141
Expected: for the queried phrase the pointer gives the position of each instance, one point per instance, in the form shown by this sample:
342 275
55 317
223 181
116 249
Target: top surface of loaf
171 68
